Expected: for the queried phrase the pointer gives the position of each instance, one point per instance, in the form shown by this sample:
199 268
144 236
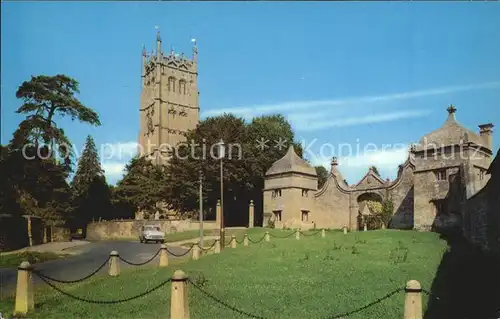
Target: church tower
169 101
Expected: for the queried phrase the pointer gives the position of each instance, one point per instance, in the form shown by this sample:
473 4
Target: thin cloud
255 110
305 124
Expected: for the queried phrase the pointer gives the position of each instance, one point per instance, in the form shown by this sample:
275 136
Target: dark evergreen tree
91 194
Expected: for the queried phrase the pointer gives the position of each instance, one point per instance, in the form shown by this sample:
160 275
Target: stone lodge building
420 193
169 101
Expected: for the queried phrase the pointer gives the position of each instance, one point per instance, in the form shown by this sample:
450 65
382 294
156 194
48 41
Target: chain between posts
242 312
286 236
39 274
183 254
257 241
319 231
140 264
206 249
379 300
47 281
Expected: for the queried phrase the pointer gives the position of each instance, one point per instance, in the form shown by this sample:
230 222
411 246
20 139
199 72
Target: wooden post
245 240
413 300
323 233
251 214
163 256
268 237
179 305
233 241
196 251
114 264
297 234
217 246
25 301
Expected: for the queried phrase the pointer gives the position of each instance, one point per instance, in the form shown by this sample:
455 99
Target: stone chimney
486 131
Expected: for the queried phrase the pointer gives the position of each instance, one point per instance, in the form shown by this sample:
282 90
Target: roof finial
451 113
158 37
144 50
451 109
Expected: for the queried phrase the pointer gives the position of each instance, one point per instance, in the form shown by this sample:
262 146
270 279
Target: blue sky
357 73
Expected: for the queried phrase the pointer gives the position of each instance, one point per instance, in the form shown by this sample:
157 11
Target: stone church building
169 101
419 193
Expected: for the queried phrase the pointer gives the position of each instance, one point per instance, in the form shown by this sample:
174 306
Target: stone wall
129 229
481 211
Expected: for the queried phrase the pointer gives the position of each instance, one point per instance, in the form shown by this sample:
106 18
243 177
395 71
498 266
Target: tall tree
91 194
142 187
89 167
251 149
44 98
322 175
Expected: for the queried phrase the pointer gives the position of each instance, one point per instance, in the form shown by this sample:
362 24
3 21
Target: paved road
90 257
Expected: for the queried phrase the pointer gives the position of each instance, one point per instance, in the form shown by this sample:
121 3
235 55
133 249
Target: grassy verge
313 277
14 259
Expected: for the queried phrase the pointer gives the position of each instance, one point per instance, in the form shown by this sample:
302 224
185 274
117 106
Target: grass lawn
313 277
14 259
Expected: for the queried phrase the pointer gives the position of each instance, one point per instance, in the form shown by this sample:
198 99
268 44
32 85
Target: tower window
441 175
305 193
182 87
171 84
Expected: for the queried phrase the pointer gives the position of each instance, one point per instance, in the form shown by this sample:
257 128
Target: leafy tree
46 97
91 194
322 175
142 187
387 211
244 166
375 170
33 185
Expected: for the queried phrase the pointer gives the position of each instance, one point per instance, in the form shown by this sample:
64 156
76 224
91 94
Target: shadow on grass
467 283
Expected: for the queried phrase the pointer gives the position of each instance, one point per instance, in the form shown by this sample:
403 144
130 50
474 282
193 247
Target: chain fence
41 275
208 248
257 241
50 281
47 280
142 263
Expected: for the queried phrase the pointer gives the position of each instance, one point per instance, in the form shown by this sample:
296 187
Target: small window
482 173
277 215
276 193
305 193
305 216
441 175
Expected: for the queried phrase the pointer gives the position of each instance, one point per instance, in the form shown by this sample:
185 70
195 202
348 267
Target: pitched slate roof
291 162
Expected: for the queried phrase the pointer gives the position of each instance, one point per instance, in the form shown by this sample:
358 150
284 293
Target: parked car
151 233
